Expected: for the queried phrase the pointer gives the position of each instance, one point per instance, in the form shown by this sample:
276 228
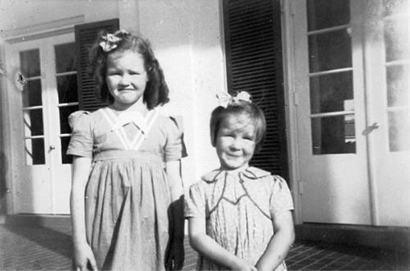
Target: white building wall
187 38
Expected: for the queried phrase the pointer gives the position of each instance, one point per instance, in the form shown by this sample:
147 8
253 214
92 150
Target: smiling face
235 141
126 78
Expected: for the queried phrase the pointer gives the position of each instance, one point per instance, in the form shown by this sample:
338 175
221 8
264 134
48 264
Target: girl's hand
84 258
242 265
175 259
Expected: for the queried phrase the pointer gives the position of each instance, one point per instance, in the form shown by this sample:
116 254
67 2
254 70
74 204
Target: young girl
126 184
239 216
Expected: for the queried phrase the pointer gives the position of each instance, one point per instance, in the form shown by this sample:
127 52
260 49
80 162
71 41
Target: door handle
370 128
374 125
51 148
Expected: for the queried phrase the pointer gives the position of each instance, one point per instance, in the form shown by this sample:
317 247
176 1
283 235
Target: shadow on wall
3 185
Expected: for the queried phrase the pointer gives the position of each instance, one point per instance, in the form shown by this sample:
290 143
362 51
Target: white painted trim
369 50
329 29
222 44
313 74
288 48
332 114
43 30
6 129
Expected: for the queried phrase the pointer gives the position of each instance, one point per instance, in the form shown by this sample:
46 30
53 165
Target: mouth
234 155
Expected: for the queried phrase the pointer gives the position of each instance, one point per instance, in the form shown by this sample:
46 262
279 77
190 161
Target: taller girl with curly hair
126 184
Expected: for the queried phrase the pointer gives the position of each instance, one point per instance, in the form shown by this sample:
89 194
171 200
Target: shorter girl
239 216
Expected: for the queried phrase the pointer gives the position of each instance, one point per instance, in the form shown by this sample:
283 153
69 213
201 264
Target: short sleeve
175 146
281 198
195 202
81 142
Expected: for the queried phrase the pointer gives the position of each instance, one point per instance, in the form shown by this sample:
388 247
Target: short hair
250 109
156 91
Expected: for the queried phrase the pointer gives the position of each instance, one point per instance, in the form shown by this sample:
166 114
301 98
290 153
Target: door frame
7 97
291 102
292 84
372 113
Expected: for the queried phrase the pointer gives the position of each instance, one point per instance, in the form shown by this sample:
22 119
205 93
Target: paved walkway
28 248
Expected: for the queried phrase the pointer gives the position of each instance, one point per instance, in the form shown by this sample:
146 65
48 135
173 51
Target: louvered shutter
254 64
85 35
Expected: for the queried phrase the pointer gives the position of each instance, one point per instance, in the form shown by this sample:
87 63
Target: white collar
130 117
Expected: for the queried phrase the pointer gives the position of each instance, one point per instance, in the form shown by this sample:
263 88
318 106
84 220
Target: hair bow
225 99
110 41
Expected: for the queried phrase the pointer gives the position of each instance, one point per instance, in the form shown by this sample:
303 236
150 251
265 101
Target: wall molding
382 237
43 30
62 222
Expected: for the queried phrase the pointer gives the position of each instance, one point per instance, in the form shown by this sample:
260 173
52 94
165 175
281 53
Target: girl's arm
210 249
83 255
175 260
280 243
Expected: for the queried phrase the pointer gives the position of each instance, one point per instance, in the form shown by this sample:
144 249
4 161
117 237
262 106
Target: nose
125 80
236 144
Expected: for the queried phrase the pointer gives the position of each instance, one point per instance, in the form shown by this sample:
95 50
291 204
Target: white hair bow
225 99
110 41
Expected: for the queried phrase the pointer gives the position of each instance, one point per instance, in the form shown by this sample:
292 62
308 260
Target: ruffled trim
250 173
255 173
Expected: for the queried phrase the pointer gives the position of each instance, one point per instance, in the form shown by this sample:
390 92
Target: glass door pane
30 80
66 77
397 61
330 75
329 110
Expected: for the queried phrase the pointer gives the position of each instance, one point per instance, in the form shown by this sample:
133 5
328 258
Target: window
330 76
66 78
30 80
397 62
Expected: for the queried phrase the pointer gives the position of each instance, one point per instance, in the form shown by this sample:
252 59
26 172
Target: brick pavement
34 248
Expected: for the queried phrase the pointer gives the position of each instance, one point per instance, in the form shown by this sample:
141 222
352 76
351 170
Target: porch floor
35 248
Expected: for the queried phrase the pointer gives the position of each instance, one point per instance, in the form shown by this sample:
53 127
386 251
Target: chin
232 166
129 101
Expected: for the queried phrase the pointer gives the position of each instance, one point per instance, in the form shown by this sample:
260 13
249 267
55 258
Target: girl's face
235 141
126 78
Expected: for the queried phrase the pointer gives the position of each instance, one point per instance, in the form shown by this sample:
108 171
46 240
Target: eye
113 73
229 135
249 136
134 73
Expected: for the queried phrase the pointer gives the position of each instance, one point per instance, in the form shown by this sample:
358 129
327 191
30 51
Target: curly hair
255 114
156 91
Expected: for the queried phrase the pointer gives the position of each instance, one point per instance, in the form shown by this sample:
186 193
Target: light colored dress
127 196
239 209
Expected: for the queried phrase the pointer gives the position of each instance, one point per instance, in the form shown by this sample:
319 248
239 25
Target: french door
352 108
43 93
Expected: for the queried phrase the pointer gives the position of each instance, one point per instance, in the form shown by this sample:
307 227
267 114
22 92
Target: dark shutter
254 64
85 35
